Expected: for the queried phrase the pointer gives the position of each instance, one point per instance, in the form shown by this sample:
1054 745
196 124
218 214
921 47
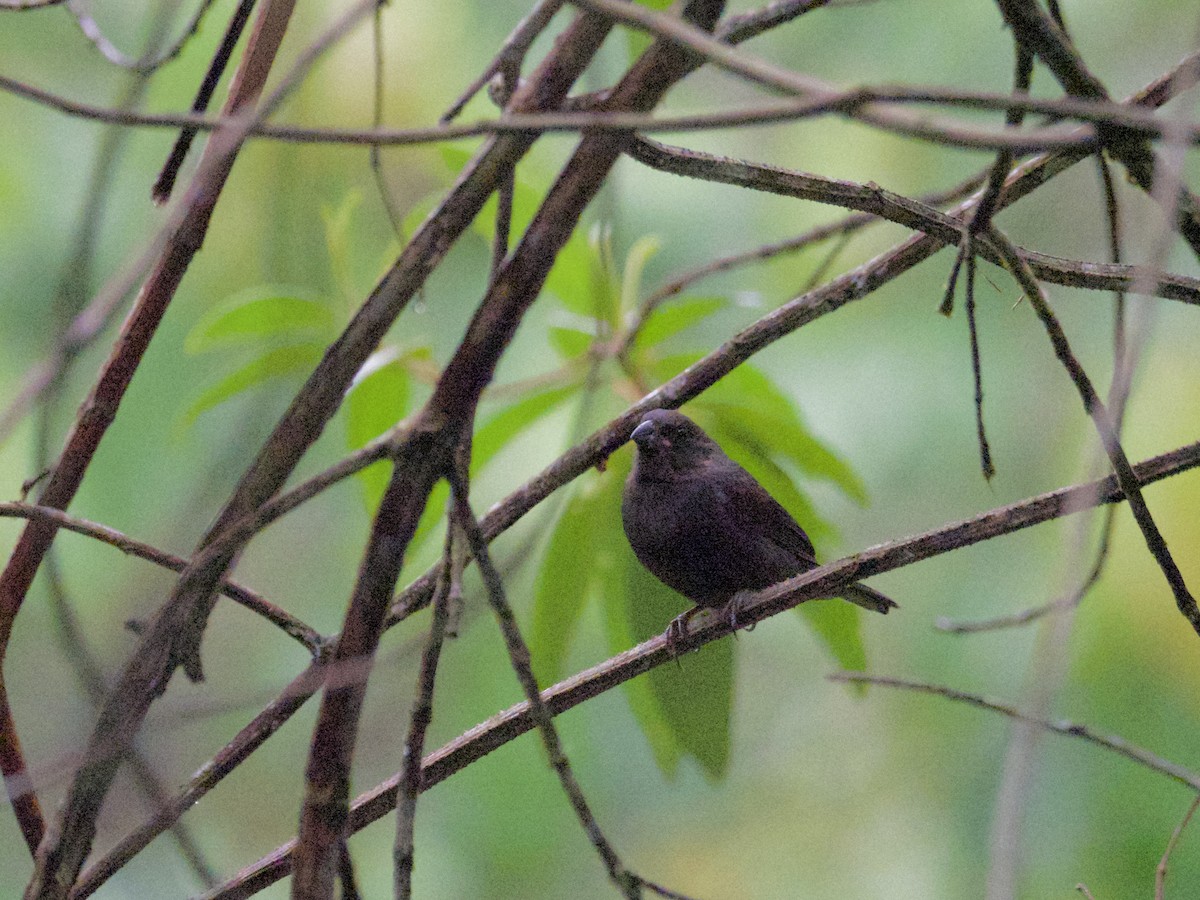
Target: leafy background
742 772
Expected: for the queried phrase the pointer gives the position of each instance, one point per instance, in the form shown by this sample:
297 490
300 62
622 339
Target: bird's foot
678 630
733 609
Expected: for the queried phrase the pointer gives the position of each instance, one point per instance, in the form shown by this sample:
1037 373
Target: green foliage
669 319
286 334
639 40
683 710
280 362
262 313
502 427
377 400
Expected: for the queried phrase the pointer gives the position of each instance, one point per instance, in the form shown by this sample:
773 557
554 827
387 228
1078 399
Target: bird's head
668 442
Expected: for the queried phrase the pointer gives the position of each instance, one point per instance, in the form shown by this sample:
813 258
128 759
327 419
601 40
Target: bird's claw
677 631
733 611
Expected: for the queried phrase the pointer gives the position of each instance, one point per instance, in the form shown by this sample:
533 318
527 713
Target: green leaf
643 249
377 400
277 363
502 427
255 314
639 40
565 581
672 318
642 701
695 696
570 343
769 411
838 625
572 278
340 239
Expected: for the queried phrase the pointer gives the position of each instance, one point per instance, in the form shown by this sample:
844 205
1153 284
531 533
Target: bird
706 528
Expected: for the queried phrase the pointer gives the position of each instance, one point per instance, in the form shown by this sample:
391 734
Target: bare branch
823 581
1110 742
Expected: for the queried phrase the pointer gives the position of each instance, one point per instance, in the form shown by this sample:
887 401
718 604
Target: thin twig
518 654
1111 742
377 98
511 54
1042 35
419 719
149 62
946 228
293 627
1160 871
1105 426
165 183
1026 140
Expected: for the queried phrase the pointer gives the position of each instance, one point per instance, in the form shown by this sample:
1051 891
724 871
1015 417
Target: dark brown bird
704 526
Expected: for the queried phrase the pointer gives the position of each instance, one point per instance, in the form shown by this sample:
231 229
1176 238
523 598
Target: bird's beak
643 434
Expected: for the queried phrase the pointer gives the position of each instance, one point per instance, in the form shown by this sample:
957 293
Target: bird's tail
868 598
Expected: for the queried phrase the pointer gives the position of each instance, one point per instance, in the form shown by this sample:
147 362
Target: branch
705 627
1105 426
870 198
293 627
1041 35
1111 742
518 653
836 102
426 454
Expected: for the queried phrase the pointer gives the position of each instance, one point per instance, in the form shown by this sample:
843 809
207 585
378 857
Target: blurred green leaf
605 280
767 410
256 314
277 363
568 574
748 396
642 701
672 318
696 696
639 255
838 624
341 237
570 343
377 400
639 40
570 280
503 426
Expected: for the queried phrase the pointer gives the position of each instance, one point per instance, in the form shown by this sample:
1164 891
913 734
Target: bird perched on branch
705 527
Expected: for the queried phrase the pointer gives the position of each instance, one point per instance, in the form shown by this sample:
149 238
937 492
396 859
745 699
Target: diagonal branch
870 198
1105 425
1040 34
821 582
427 454
518 652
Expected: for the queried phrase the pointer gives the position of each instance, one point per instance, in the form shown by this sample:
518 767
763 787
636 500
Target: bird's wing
755 510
